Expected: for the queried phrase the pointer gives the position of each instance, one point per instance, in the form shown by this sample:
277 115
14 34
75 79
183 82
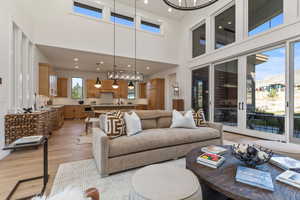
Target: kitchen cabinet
122 91
178 104
62 87
74 112
91 91
47 80
142 90
156 94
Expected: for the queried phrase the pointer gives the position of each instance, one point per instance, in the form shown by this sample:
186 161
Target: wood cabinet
62 87
44 79
142 90
178 104
156 94
91 91
121 92
74 112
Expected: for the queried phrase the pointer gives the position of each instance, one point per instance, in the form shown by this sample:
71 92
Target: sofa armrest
100 150
217 126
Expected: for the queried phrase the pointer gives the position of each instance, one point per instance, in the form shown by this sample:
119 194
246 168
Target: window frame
246 22
151 24
82 97
203 22
213 23
123 17
87 6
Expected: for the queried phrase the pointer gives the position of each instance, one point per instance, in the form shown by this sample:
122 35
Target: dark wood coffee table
219 184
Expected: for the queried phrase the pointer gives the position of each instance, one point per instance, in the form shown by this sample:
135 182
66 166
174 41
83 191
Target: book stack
286 163
290 177
210 160
214 150
254 178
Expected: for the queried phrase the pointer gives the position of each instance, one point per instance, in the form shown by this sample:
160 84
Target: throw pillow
114 126
183 121
133 124
199 118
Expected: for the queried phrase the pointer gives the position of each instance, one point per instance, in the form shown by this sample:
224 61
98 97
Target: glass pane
148 26
266 91
200 90
199 41
226 93
225 28
77 88
131 92
297 90
264 15
120 19
87 10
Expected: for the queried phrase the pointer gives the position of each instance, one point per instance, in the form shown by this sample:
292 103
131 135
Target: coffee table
219 184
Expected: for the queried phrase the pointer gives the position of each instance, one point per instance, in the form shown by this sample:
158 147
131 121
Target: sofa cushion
149 124
158 138
164 122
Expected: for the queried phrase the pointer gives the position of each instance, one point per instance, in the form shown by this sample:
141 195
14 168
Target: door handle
242 105
239 105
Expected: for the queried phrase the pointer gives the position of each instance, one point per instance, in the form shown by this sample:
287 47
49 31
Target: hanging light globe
98 83
115 85
186 5
130 85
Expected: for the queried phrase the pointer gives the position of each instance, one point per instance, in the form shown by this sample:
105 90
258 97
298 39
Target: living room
122 94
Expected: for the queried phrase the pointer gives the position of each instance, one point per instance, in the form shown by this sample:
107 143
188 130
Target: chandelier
189 4
125 75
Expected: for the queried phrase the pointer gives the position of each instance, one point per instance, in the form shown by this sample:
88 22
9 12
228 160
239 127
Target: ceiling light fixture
130 85
169 9
101 62
145 1
76 59
98 83
128 65
115 84
76 67
189 4
148 68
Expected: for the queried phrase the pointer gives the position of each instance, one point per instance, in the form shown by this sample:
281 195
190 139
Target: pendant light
98 83
115 84
131 85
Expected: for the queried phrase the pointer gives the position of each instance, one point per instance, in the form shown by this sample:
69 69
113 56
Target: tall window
266 91
131 92
264 15
87 10
122 19
148 26
200 90
297 90
22 76
77 88
199 41
225 28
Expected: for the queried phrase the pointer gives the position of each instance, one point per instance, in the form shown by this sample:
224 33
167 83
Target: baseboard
3 154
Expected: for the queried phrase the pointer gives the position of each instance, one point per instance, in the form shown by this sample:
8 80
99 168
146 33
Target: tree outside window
77 88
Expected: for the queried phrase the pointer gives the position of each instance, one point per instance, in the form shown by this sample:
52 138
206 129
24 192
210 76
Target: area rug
83 174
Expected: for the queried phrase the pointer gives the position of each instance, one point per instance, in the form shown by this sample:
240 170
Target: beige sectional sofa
157 142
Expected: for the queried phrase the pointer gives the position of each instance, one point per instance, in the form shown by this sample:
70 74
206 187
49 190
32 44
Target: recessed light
76 67
76 59
98 2
220 27
148 68
128 65
145 1
170 10
101 62
229 22
98 68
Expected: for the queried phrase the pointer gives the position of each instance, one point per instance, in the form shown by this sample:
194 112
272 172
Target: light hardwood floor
62 148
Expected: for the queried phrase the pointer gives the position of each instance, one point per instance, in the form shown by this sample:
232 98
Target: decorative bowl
251 155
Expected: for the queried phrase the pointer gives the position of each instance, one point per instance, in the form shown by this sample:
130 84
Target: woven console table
21 125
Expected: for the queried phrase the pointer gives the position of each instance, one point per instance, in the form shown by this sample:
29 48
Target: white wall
19 12
57 25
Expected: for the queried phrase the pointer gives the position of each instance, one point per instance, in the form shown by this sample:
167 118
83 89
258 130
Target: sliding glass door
226 93
200 90
296 92
266 91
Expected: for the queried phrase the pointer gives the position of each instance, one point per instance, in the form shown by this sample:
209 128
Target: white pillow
180 121
133 124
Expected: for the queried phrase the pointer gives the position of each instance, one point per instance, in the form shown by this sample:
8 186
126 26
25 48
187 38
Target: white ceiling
64 59
157 7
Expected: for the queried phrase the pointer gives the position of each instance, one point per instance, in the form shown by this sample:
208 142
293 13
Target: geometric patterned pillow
115 124
199 118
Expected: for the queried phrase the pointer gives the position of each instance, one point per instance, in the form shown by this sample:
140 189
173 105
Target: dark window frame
85 6
150 24
113 14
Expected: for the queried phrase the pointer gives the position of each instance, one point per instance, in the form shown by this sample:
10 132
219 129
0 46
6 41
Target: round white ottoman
165 182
